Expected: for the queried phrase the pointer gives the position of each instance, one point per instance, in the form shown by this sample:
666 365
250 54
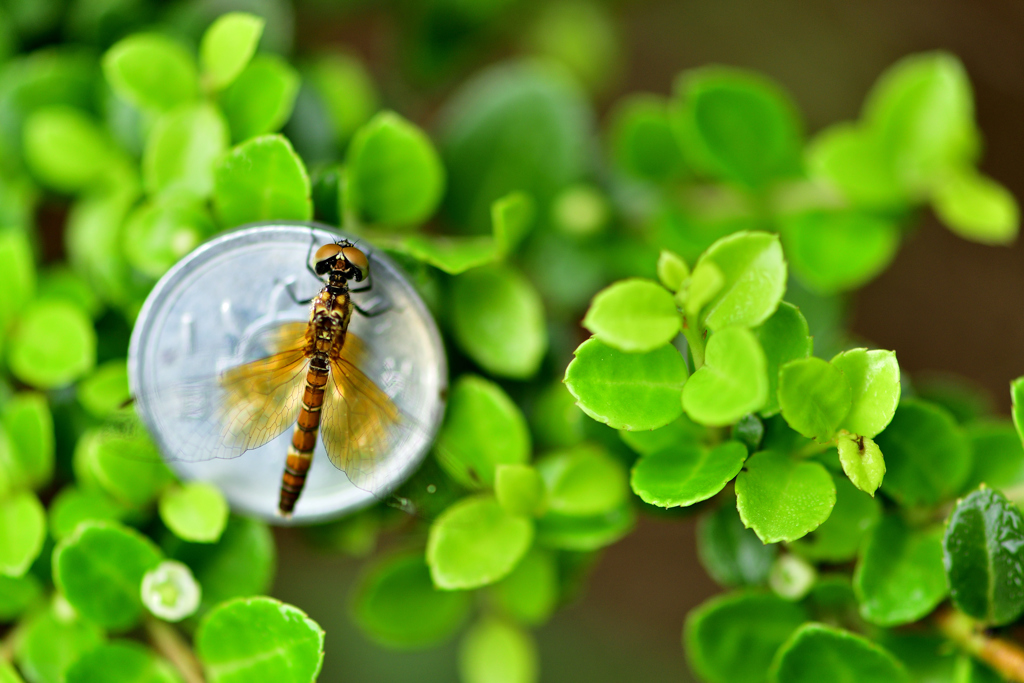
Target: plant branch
1004 656
166 640
695 340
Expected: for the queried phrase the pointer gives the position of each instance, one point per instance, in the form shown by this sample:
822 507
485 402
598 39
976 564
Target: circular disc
215 309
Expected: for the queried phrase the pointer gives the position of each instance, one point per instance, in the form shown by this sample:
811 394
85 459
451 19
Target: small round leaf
195 511
816 648
754 279
262 179
151 71
784 337
874 377
261 99
732 382
731 553
22 532
783 499
815 397
685 474
46 360
862 461
228 45
121 661
634 315
494 651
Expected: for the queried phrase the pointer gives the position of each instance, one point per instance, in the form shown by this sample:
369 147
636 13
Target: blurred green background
945 305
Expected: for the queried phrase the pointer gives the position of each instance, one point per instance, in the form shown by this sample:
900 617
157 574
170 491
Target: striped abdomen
300 452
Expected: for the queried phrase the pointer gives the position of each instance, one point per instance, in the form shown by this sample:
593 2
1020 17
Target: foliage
823 479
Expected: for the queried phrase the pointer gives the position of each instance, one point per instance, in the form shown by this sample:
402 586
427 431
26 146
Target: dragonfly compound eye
325 256
357 259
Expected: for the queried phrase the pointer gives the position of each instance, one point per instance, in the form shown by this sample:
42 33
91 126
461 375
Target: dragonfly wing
360 425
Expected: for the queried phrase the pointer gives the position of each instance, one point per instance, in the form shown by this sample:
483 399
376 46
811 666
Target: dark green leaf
738 126
733 638
732 382
685 474
72 506
99 570
680 432
50 644
899 577
848 658
782 499
981 552
347 93
396 604
262 179
477 410
997 455
642 141
475 542
840 536
927 456
395 175
783 337
570 532
259 639
634 391
498 320
732 554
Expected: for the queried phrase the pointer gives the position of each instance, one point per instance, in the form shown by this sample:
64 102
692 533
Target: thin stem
1004 656
695 340
166 640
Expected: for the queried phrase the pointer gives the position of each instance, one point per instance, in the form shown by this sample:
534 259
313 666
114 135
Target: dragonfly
311 382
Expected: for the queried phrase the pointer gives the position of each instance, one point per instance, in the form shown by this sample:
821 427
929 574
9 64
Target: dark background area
944 305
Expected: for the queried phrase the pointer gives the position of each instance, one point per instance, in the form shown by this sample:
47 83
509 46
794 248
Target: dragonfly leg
372 313
291 293
309 255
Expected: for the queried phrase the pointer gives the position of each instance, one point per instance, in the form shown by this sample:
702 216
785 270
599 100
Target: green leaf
475 542
642 141
66 149
633 391
738 126
195 511
976 207
927 456
840 536
733 638
128 468
104 391
518 126
151 71
396 604
997 455
854 159
684 474
815 397
261 99
181 151
27 419
498 320
519 489
50 644
262 179
121 661
672 270
453 255
1017 409
395 175
836 251
17 275
749 431
732 382
157 234
22 532
583 481
477 410
99 569
707 281
874 377
922 110
72 506
228 45
731 553
347 93
18 595
259 639
848 658
530 593
782 499
754 272
899 577
512 218
862 461
783 337
494 651
581 534
634 315
680 432
981 553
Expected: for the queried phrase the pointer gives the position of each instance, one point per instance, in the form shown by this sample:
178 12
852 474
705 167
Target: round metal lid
211 311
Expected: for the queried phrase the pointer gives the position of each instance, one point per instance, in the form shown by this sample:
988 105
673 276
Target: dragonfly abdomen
300 452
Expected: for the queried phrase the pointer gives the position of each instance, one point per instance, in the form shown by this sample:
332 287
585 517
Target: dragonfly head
342 258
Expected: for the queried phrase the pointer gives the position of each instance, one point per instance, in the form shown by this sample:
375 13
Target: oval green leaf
181 151
732 382
839 538
151 71
754 279
519 489
530 593
685 474
862 461
583 481
784 336
731 553
634 315
977 208
783 499
874 377
261 99
121 661
66 149
228 45
262 179
846 657
494 651
582 534
815 397
46 360
22 532
634 391
196 511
